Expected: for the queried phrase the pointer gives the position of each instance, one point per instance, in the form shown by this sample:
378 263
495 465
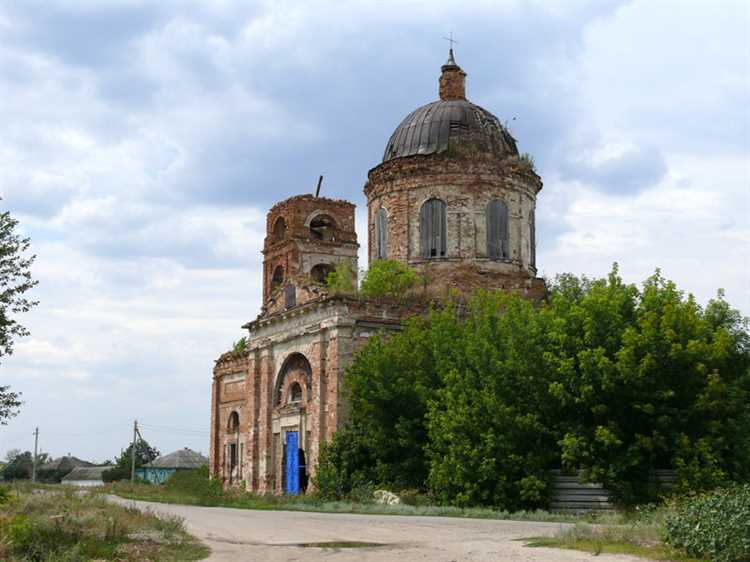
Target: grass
66 525
641 537
246 500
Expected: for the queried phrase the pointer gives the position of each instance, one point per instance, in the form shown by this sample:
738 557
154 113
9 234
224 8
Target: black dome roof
434 127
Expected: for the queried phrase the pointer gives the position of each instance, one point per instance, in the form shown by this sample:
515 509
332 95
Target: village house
452 198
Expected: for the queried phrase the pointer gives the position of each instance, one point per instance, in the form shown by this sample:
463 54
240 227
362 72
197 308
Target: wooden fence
569 494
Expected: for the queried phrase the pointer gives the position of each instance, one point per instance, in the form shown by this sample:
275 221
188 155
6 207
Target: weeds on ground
638 533
194 488
42 525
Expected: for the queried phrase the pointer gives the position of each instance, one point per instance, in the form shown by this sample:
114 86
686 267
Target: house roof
86 473
182 458
68 462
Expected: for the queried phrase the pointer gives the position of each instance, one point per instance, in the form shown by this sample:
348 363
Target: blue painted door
292 462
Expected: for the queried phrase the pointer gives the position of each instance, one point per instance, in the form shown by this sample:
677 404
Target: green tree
9 404
490 426
478 402
343 280
15 281
20 468
647 379
388 278
144 453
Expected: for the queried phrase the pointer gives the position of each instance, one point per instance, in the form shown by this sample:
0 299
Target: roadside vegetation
193 487
712 526
59 524
475 403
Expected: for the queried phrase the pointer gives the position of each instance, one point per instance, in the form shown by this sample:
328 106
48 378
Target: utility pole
132 452
33 464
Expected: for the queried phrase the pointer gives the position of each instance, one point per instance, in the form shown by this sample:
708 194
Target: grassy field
59 524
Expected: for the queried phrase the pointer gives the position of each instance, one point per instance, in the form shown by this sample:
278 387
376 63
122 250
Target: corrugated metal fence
571 495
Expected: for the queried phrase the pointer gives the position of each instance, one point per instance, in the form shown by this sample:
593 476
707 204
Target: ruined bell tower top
452 80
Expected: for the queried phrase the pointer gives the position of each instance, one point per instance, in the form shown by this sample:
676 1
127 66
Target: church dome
450 122
441 124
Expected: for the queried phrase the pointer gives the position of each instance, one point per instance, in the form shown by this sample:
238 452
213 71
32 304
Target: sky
143 142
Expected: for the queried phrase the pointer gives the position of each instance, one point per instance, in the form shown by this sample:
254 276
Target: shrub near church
604 377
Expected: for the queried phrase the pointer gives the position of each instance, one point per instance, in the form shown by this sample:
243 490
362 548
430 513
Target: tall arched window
295 393
279 229
532 238
381 234
233 424
497 230
278 277
432 229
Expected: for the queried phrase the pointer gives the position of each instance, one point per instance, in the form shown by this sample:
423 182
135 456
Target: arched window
279 229
532 238
295 393
296 367
497 230
432 229
278 277
322 227
381 234
234 422
320 272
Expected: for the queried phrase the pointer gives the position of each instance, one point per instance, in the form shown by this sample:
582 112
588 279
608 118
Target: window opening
295 393
381 234
497 230
278 277
320 272
279 229
322 227
432 229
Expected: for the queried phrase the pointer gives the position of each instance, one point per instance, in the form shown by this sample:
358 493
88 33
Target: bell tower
306 238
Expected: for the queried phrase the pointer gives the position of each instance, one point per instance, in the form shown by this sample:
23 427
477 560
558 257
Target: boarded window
290 296
232 456
381 234
432 229
532 238
497 230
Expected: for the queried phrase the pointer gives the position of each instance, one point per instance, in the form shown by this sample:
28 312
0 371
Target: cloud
143 142
622 172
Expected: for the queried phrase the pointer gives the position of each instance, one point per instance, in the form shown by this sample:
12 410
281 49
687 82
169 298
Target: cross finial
451 40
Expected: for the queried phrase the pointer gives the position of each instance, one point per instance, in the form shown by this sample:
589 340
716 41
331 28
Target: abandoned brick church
452 198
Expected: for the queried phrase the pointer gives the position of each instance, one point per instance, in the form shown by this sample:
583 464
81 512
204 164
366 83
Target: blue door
292 462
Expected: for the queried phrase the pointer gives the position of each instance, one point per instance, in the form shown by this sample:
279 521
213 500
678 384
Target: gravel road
240 535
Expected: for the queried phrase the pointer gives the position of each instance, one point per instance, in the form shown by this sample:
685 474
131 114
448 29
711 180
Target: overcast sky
142 143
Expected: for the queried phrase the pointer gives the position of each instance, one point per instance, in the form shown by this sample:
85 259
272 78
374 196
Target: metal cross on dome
451 40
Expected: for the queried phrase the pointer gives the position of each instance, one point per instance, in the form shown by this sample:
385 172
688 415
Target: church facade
452 198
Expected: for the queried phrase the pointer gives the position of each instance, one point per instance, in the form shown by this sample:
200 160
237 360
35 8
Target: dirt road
273 536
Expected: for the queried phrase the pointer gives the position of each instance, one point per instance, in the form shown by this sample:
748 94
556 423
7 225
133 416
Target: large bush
388 278
475 403
714 525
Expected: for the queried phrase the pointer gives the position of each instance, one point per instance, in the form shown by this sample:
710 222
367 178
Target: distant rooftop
182 458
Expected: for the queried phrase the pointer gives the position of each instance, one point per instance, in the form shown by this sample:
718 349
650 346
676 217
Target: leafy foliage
343 279
9 404
715 525
240 346
15 280
21 466
144 453
647 379
388 278
476 403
